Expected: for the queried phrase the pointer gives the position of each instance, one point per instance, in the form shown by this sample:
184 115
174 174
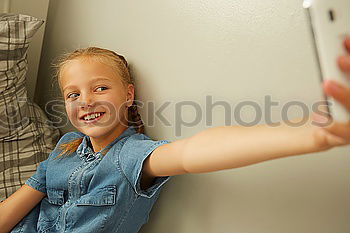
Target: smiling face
89 86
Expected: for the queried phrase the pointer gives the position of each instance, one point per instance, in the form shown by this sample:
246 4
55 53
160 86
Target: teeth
92 116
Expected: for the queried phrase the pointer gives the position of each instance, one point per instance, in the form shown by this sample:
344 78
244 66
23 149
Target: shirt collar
85 152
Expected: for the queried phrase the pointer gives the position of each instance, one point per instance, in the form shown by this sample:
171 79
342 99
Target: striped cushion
26 135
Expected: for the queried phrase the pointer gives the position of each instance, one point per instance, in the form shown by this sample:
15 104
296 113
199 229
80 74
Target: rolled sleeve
131 158
38 179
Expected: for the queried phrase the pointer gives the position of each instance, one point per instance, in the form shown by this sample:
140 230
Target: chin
96 132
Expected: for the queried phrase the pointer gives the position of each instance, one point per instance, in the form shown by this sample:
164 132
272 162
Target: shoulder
142 139
138 136
67 137
64 139
139 144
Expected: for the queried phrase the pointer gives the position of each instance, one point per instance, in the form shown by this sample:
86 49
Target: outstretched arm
228 147
17 206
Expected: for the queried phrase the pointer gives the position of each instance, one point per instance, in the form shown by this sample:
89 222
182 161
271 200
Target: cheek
114 104
71 110
120 105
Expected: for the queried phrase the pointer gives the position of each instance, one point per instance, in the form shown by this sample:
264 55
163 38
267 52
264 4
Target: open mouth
92 117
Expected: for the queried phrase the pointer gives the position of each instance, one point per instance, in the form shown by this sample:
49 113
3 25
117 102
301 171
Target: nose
87 102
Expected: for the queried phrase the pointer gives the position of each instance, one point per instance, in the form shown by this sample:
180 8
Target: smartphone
329 22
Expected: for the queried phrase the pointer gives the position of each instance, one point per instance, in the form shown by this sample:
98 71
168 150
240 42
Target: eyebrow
92 81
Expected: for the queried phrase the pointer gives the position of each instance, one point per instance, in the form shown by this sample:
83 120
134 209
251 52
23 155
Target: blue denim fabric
88 192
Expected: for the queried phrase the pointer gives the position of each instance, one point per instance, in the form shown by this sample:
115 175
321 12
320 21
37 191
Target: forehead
85 70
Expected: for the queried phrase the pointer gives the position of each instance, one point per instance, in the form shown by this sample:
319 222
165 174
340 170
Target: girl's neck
103 141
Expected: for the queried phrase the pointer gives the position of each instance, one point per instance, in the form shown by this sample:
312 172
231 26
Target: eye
101 88
72 95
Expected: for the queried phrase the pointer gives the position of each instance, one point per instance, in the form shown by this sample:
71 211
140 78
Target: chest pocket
50 205
56 196
99 197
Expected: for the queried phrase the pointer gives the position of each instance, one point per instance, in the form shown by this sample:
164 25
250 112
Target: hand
336 133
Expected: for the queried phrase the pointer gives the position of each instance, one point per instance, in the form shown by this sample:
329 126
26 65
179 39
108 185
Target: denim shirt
91 192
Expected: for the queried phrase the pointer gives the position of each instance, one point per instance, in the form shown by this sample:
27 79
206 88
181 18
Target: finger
339 92
347 44
327 133
344 63
336 128
339 129
328 140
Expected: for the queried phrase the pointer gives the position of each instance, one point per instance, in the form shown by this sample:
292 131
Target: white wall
234 51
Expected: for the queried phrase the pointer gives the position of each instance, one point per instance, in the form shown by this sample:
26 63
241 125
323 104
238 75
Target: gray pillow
26 135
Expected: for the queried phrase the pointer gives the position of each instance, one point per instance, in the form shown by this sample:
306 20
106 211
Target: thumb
320 120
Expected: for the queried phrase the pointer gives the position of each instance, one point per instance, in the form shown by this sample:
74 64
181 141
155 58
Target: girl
107 176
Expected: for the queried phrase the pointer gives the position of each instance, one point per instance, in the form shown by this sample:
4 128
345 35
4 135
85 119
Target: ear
130 95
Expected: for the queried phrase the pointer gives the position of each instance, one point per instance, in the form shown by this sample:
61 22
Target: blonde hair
117 62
